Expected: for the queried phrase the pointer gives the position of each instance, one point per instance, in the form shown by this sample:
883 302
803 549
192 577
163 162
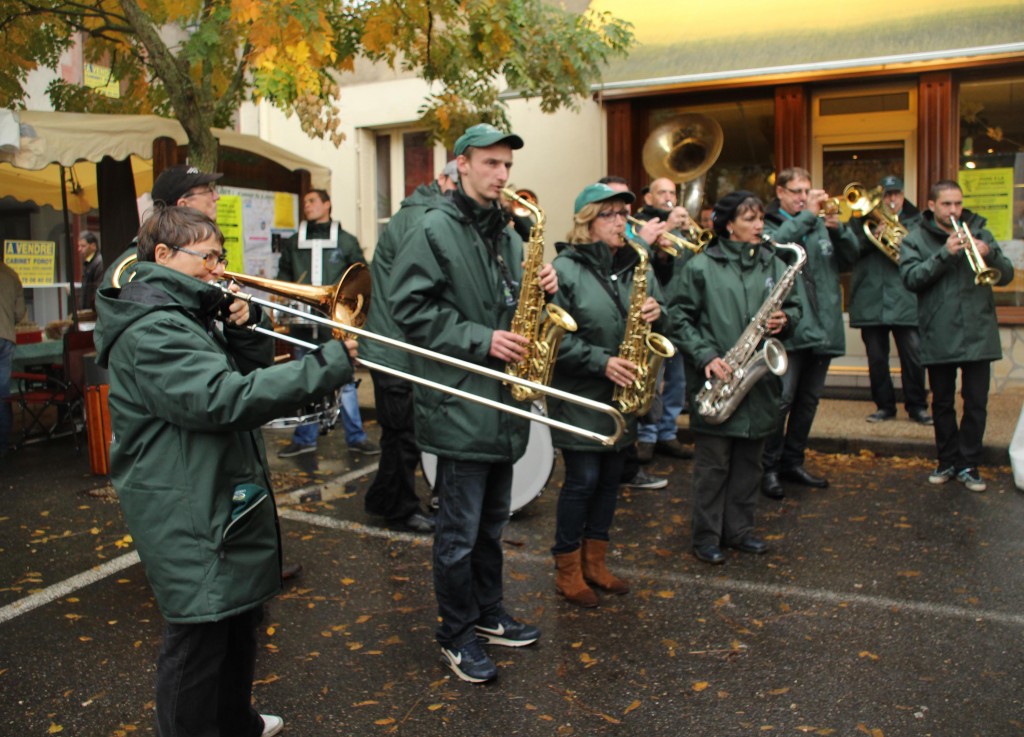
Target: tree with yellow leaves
198 60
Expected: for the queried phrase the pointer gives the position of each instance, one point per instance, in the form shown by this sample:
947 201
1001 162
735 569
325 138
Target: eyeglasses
207 189
797 191
611 214
210 260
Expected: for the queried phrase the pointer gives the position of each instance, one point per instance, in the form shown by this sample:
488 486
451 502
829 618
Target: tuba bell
683 149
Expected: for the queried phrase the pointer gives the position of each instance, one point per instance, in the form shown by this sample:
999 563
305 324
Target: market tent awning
79 140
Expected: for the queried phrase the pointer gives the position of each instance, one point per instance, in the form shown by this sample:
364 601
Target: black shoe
673 448
800 475
504 630
470 662
643 480
417 522
709 554
921 417
644 452
750 544
294 449
365 447
881 415
771 487
290 570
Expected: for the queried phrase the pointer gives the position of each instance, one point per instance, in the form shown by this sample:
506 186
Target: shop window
991 172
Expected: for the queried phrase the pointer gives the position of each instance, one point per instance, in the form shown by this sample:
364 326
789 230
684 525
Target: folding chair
49 403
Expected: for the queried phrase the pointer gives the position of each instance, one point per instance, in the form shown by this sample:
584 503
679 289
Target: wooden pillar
938 131
792 134
165 155
622 159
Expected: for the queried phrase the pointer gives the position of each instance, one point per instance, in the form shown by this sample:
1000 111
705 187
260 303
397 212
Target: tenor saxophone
641 347
719 398
541 324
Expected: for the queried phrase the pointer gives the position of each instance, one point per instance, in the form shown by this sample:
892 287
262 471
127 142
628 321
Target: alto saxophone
641 347
543 331
719 398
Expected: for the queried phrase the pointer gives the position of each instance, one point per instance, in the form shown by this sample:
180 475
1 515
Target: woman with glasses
188 463
595 280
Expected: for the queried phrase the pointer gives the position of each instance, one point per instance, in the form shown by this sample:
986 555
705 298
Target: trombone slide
606 409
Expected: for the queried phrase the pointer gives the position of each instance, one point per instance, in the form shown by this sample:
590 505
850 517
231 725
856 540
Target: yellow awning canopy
79 140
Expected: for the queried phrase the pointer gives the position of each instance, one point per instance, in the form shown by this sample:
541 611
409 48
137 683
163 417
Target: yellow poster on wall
989 193
33 261
284 211
229 219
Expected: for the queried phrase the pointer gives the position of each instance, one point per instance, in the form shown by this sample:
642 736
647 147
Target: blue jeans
6 415
673 395
351 420
589 495
475 502
802 386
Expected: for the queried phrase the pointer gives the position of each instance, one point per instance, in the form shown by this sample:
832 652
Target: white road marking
67 586
945 611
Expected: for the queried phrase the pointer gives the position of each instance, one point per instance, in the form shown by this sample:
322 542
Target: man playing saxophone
598 281
720 291
957 319
454 290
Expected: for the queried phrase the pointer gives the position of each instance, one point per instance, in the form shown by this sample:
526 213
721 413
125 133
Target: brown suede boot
569 580
596 572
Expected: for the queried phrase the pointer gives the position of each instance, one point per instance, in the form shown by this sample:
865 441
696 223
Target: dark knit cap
725 210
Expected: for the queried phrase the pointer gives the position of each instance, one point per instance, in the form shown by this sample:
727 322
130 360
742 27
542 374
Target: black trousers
908 346
960 445
802 387
726 478
393 491
204 678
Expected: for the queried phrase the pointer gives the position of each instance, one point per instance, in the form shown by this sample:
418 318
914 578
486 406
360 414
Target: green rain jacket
957 318
586 273
187 400
448 295
719 292
821 327
395 237
877 294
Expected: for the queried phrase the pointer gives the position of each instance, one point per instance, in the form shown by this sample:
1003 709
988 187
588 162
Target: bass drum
530 473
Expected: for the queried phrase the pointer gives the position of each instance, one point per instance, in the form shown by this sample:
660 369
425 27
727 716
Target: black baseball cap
175 182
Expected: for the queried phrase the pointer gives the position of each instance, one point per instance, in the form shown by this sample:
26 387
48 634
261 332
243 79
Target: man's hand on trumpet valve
508 346
652 230
679 218
548 278
955 243
651 310
718 369
620 371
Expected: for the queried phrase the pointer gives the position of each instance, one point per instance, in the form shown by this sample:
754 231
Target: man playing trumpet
957 319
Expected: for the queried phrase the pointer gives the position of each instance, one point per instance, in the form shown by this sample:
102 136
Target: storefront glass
991 169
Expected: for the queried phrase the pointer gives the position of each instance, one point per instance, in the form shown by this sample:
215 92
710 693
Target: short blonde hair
580 232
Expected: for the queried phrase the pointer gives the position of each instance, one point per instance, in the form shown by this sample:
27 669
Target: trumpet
677 245
854 202
984 275
348 301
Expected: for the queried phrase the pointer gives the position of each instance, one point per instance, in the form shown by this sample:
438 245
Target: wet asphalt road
886 607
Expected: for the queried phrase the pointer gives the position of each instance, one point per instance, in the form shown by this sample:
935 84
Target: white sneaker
271 724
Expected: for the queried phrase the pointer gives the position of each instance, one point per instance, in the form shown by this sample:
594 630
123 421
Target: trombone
348 301
677 244
984 274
